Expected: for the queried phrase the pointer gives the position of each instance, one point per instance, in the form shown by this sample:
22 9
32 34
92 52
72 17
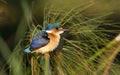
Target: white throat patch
48 31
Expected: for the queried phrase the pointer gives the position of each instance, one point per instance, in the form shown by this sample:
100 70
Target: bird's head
55 28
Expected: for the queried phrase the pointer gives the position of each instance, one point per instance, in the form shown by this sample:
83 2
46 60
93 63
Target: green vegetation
90 48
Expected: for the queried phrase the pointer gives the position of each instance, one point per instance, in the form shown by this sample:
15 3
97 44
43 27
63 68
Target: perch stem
47 64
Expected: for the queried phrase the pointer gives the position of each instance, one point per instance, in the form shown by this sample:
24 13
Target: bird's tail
27 50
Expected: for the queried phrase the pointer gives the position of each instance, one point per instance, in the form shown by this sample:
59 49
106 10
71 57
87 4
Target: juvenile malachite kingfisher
46 40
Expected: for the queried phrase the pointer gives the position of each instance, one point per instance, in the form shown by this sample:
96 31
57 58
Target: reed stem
47 64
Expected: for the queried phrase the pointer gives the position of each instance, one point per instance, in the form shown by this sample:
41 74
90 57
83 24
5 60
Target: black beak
64 29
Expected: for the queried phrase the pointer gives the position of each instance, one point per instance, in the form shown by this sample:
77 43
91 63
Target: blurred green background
12 13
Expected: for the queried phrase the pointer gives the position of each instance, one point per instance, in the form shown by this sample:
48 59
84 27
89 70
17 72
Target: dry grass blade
109 56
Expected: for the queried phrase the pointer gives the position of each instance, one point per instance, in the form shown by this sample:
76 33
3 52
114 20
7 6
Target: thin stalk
111 52
47 65
116 47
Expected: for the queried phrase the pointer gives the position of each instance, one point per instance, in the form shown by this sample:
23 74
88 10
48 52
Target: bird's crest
52 25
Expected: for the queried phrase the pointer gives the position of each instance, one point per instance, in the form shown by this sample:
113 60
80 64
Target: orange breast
54 41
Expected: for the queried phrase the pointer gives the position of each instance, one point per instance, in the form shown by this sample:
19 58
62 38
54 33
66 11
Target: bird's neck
53 36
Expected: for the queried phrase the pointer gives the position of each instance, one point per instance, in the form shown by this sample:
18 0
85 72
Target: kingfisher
45 41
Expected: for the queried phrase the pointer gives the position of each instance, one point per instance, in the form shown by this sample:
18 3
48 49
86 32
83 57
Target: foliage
88 49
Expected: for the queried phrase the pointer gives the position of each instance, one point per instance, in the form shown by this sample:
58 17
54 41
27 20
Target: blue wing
40 39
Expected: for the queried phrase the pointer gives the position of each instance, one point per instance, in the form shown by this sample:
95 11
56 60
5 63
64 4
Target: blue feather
27 50
40 39
39 42
41 33
52 25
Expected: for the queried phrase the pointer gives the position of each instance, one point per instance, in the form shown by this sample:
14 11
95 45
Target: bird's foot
46 54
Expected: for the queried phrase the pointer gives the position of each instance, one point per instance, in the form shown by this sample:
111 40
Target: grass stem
47 64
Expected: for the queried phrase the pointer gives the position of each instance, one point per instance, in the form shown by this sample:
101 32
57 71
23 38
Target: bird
47 40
